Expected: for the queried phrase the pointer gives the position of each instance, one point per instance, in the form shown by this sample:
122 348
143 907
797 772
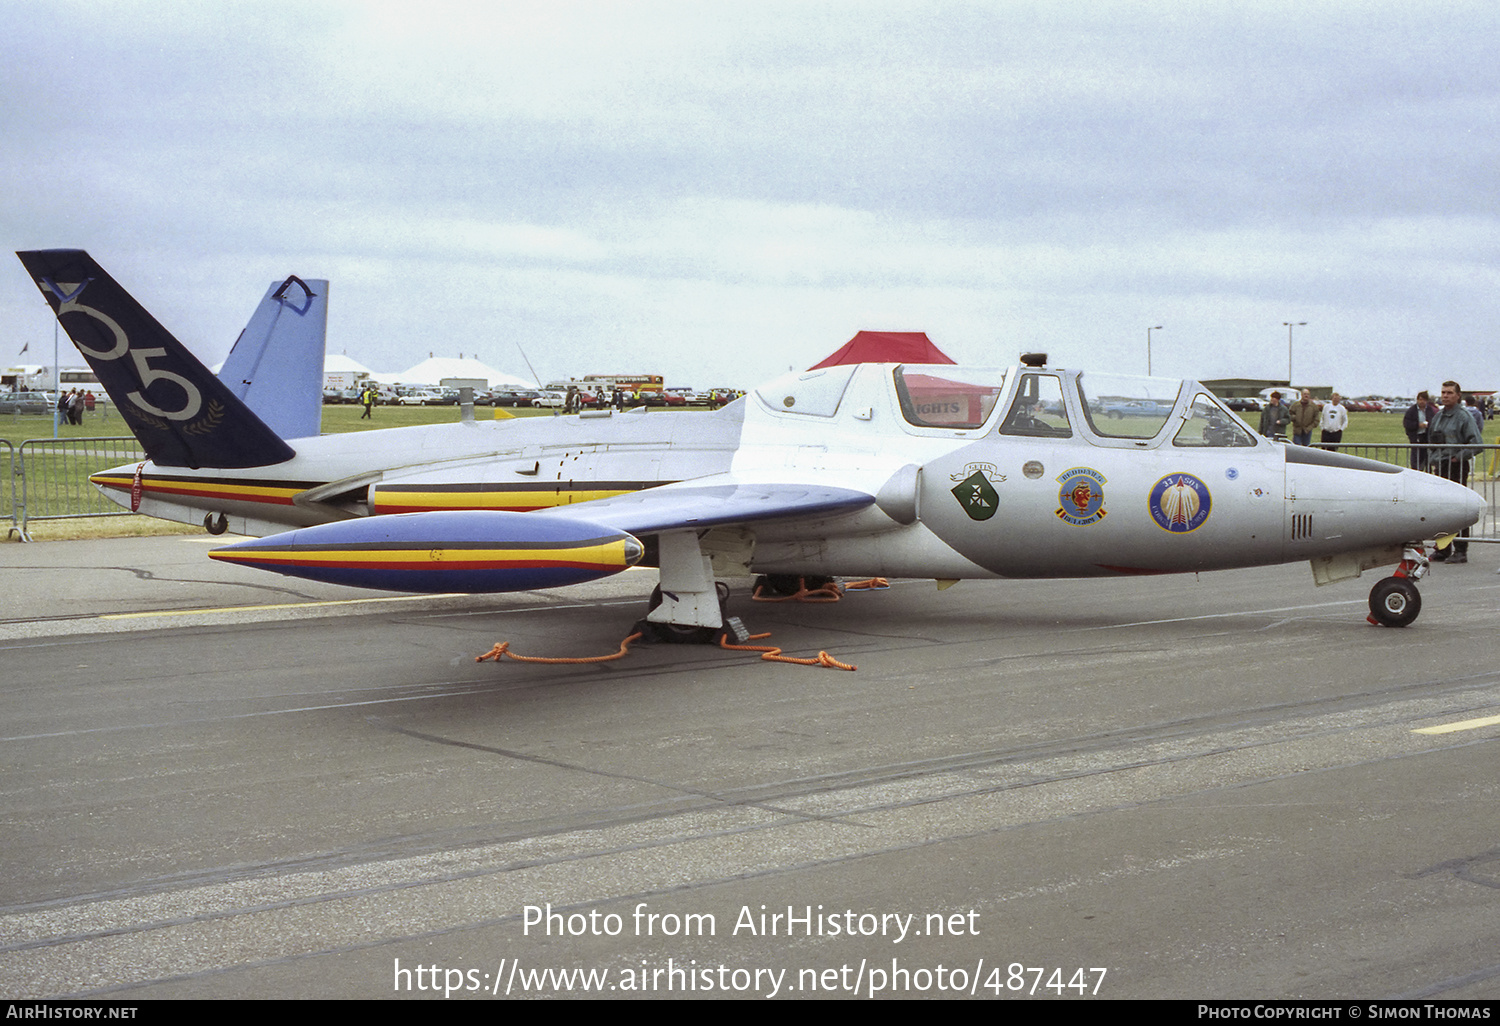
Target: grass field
1364 428
336 419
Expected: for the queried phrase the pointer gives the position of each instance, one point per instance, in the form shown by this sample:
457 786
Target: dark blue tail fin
182 414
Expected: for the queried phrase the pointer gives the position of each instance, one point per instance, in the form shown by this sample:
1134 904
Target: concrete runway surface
222 783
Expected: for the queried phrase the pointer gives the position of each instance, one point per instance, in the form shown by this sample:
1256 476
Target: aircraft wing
713 502
496 550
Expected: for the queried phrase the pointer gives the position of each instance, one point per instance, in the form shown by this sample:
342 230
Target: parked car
1119 409
517 397
26 402
553 400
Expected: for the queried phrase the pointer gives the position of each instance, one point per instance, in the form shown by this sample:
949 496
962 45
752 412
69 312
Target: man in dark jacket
1275 417
1455 440
1418 417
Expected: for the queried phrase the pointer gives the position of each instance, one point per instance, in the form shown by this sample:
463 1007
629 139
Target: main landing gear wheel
681 633
777 585
1394 602
787 585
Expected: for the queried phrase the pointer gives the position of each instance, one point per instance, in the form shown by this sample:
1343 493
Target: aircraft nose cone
1447 506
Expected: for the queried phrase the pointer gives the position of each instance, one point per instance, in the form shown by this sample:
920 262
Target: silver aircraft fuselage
1026 472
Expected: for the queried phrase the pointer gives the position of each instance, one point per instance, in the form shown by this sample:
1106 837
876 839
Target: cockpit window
938 395
1210 426
1124 406
1038 409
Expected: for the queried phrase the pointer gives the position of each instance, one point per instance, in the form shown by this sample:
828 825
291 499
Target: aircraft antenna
528 365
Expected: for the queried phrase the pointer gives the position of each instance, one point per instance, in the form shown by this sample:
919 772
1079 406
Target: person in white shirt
1335 419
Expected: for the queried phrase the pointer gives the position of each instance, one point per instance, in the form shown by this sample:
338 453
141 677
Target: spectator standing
1331 427
1305 417
1455 439
1416 422
1275 417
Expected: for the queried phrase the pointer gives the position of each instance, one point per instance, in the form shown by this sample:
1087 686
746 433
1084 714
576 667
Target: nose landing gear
1395 601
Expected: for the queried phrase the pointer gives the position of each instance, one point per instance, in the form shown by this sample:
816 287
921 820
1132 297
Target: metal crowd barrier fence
54 475
8 493
1484 475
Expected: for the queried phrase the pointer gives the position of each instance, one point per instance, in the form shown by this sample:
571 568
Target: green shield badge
977 496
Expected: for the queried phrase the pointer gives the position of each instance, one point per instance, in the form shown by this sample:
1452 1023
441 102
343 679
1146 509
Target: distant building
1245 388
341 372
467 370
36 377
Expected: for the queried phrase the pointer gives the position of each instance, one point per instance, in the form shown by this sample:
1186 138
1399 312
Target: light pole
1289 326
1148 348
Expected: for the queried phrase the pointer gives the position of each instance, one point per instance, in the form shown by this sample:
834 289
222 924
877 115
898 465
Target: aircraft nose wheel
1394 602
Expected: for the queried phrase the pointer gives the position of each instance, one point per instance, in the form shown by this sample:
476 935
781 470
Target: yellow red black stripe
517 498
606 554
274 493
387 498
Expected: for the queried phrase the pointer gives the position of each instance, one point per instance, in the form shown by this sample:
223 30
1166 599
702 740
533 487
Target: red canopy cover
886 347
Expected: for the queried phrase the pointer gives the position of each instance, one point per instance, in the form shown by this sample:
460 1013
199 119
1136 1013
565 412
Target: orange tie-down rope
769 653
772 654
830 592
503 650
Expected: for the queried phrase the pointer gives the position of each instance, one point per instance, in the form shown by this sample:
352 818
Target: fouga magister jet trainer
929 471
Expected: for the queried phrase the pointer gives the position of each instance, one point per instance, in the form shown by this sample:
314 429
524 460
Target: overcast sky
719 191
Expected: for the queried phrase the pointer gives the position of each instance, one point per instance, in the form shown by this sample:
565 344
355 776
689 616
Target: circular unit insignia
1080 499
1179 503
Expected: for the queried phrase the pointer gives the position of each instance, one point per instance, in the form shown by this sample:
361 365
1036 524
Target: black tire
1395 602
778 585
679 634
684 634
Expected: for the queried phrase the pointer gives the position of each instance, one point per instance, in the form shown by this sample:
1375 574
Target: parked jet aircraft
930 471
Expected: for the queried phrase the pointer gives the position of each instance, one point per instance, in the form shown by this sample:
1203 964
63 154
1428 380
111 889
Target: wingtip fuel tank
466 551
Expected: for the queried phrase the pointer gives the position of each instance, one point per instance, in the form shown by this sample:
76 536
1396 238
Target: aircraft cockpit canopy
1127 406
1209 425
814 393
1122 406
947 396
1120 409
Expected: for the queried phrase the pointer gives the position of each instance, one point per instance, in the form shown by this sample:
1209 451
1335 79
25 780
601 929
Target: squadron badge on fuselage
1179 503
977 496
1081 496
